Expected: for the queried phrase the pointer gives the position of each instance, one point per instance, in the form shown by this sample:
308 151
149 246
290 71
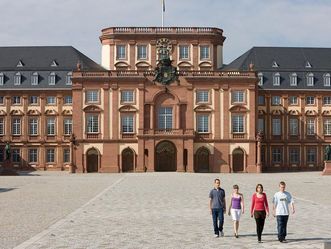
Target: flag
163 5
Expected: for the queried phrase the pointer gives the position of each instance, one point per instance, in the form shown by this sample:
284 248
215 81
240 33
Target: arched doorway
92 161
238 160
165 159
202 160
127 160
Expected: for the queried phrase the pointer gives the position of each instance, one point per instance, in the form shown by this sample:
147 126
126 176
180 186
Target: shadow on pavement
2 190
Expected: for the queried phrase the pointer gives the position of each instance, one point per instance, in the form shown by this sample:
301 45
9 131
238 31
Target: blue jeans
281 226
218 214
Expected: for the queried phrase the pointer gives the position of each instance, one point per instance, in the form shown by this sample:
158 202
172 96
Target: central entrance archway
127 160
165 159
238 160
202 160
92 161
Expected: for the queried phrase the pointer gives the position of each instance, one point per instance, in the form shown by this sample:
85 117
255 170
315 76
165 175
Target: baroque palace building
164 101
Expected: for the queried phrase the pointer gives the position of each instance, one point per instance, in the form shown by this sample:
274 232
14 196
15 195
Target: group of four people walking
259 209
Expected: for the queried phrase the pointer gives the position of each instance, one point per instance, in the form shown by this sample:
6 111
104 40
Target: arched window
260 75
326 79
293 79
2 79
276 79
35 78
310 79
17 79
52 78
68 79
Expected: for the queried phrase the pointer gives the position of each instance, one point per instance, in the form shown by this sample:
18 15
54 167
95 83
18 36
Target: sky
246 23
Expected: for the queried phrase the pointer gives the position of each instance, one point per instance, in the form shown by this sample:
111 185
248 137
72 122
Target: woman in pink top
259 209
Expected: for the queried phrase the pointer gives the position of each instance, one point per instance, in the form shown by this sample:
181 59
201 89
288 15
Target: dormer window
52 78
17 79
54 64
326 79
2 79
276 79
274 64
308 65
293 79
260 75
310 79
120 52
20 64
35 78
68 78
184 52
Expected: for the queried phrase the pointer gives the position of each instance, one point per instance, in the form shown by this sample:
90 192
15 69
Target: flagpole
162 13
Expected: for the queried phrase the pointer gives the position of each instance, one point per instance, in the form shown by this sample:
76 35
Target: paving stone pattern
170 210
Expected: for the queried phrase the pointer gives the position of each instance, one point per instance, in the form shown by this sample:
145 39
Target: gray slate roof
289 60
40 60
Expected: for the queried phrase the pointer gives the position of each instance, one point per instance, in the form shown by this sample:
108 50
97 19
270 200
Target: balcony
238 136
166 132
128 135
93 136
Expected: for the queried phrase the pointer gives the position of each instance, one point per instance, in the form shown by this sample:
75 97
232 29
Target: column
106 106
180 155
115 123
217 125
177 107
152 117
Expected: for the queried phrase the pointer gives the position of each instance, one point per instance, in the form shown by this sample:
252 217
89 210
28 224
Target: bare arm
293 210
210 200
230 205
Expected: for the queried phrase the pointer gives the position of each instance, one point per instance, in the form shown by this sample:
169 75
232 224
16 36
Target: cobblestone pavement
170 210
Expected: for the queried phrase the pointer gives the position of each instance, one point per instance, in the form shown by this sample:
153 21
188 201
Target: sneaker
222 234
216 235
260 241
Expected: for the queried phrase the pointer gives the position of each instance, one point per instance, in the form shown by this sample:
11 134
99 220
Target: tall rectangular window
127 96
260 125
261 100
141 52
276 127
293 100
276 155
2 100
238 124
204 52
310 127
16 155
2 79
33 100
293 79
16 100
184 52
120 52
2 126
68 100
50 126
294 154
67 126
34 78
327 100
165 118
202 96
16 126
127 124
33 155
203 123
51 100
33 126
52 78
92 96
50 155
92 123
69 78
294 126
238 96
66 155
276 100
310 100
327 127
311 155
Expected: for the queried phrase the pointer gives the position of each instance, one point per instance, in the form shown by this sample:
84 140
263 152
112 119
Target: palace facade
164 101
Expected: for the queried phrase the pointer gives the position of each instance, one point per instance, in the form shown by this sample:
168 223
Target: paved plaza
151 210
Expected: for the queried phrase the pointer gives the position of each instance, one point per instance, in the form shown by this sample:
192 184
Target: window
326 79
310 79
238 124
52 78
16 100
33 155
203 123
68 100
50 155
276 100
276 127
327 127
35 78
276 79
16 126
127 124
238 96
261 100
33 126
310 100
67 126
68 78
310 127
141 52
2 79
120 52
51 100
33 100
293 100
204 52
127 96
2 126
260 124
276 155
294 155
327 100
2 100
50 126
92 123
184 52
17 79
92 96
260 75
202 96
293 79
165 118
66 155
294 126
311 155
16 155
